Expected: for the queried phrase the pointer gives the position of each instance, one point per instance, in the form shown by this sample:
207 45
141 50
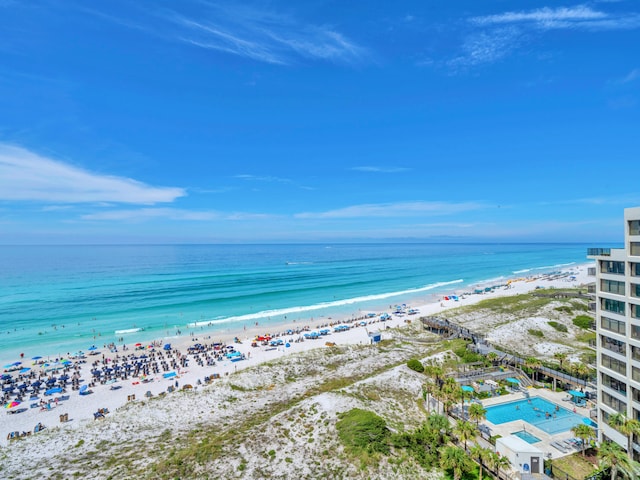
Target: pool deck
546 439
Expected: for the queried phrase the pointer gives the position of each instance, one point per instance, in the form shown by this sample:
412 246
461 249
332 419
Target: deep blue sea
59 299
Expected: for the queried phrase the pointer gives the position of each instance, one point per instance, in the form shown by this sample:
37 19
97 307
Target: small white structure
524 457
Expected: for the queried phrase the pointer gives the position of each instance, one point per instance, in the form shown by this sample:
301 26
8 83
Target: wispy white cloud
262 178
487 46
577 17
176 214
494 37
266 37
544 17
401 209
632 76
374 169
26 176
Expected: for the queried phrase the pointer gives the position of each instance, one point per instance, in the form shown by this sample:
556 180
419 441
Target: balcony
591 271
592 306
598 252
591 288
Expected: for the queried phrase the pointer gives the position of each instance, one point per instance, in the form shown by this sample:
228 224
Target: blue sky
272 121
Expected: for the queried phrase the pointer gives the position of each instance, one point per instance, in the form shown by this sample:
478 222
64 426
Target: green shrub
583 321
561 327
363 431
564 308
416 365
536 333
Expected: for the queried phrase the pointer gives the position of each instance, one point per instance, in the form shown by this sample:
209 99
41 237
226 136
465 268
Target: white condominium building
617 308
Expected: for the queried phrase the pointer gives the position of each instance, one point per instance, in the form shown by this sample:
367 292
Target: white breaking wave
544 268
319 306
128 330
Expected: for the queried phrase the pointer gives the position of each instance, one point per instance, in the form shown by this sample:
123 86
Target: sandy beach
154 372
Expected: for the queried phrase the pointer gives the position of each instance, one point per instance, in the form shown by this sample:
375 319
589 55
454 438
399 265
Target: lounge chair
559 446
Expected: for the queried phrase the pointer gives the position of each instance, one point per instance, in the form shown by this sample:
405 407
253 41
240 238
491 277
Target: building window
607 266
613 402
616 365
612 286
635 353
614 384
634 248
635 332
615 326
635 290
634 227
635 269
635 310
615 346
635 374
635 393
613 306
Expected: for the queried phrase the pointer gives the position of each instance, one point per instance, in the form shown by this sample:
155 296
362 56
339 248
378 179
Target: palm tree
456 459
481 455
585 433
492 356
465 431
501 462
477 412
533 363
439 423
450 392
626 426
561 356
612 456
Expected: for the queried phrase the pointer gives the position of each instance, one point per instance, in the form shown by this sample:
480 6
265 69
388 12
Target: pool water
526 436
545 415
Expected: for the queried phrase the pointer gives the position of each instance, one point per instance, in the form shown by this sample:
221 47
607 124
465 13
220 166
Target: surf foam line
319 306
544 268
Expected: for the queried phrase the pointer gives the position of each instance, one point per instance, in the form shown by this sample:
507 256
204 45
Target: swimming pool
537 411
526 436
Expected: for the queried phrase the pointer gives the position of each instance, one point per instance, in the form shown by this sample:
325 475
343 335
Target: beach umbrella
8 389
24 370
12 404
92 348
37 357
8 365
53 390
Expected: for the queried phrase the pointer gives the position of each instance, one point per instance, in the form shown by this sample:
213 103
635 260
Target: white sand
80 409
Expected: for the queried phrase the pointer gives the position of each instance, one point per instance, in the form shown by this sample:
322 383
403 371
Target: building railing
599 252
591 288
592 306
591 271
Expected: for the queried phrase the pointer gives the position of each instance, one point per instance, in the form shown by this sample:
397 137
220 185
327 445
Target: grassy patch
561 327
363 431
583 321
575 465
536 333
585 337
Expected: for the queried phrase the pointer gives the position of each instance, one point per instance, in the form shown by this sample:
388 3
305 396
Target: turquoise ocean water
59 299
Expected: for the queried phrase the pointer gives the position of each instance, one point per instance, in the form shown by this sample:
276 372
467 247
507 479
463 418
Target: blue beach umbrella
92 348
53 390
24 370
37 357
8 365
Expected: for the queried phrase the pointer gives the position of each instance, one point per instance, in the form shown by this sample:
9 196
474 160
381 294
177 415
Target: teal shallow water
57 299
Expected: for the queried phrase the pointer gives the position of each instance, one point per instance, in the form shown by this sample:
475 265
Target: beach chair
559 446
98 416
